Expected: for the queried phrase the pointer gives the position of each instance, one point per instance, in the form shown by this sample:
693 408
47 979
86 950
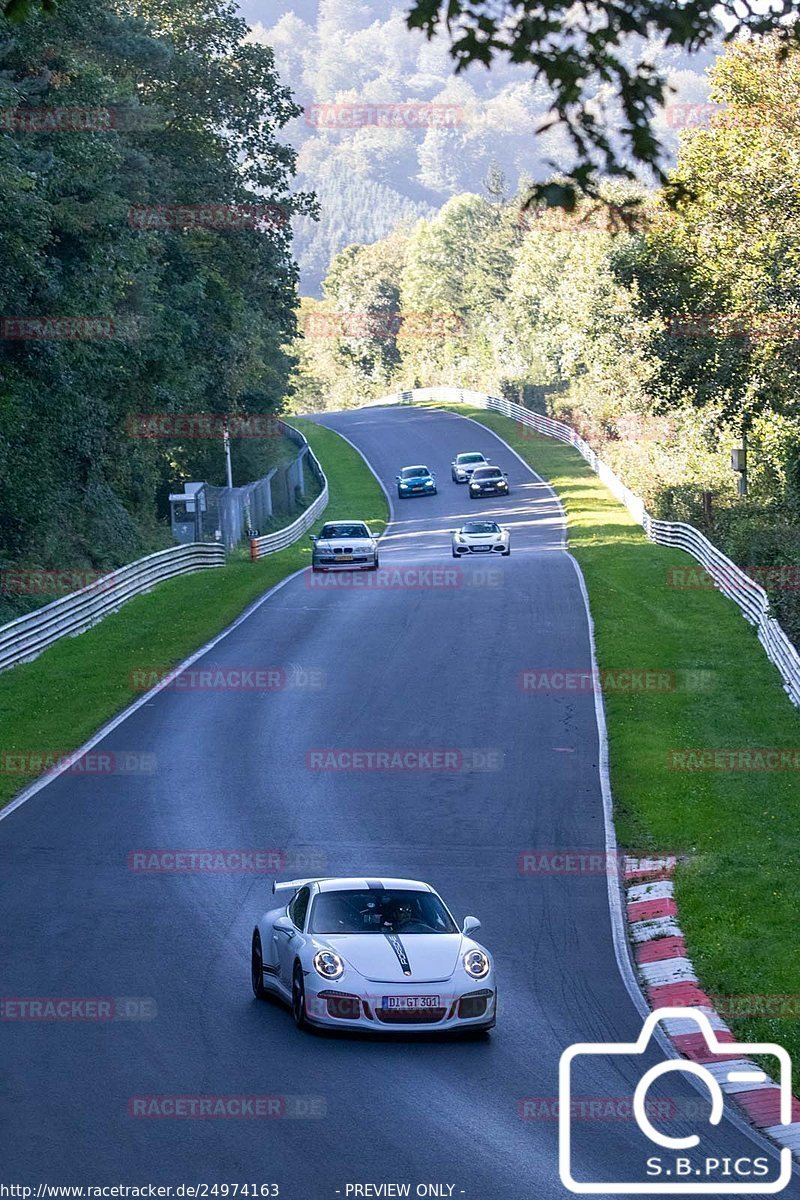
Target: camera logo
674 1171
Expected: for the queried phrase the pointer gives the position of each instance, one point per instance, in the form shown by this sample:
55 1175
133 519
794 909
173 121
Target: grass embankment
56 702
738 892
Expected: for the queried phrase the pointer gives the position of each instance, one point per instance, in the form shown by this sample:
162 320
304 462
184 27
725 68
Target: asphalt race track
426 661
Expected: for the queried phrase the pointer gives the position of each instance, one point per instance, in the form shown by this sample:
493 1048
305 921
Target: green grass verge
738 890
56 702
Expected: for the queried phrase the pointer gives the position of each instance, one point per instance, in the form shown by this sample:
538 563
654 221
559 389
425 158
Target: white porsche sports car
373 955
481 537
344 545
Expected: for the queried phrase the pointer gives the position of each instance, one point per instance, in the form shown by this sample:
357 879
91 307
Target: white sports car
481 537
344 545
373 955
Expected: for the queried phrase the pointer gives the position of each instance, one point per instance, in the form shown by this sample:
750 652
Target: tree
573 50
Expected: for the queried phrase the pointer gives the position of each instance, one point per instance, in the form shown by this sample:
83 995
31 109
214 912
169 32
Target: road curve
429 657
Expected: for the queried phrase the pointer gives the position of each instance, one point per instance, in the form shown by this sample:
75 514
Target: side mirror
285 925
471 925
312 537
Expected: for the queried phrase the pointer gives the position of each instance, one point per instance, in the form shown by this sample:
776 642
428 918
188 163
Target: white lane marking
111 725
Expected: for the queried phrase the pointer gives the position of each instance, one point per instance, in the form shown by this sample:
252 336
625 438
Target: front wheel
376 564
299 998
506 553
257 968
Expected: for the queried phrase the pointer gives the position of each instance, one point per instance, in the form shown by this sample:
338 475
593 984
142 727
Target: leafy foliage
573 48
603 327
201 314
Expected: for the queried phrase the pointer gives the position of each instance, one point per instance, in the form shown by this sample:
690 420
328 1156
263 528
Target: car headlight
428 483
502 483
477 964
329 965
475 486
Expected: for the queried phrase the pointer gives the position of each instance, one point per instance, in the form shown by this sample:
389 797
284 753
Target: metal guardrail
27 636
282 538
731 580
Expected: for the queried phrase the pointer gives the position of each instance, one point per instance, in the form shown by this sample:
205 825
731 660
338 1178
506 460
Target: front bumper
465 548
488 491
360 563
471 1004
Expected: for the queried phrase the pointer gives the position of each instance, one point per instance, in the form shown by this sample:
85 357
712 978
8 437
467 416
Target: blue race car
416 481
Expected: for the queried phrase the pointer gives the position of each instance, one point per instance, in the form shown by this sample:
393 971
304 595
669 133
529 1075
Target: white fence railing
25 637
279 540
730 579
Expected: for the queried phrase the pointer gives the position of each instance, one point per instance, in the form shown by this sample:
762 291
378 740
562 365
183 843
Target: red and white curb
669 981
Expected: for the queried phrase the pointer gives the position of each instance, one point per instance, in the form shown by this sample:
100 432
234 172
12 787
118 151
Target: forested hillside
107 118
373 177
663 344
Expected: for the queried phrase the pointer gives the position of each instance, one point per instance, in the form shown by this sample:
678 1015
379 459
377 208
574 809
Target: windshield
470 458
344 531
481 527
384 911
488 473
414 472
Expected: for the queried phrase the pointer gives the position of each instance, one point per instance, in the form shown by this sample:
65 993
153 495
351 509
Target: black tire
456 555
257 968
376 564
400 495
299 998
435 491
506 553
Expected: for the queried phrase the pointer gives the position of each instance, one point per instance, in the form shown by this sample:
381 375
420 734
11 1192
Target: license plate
344 558
410 1003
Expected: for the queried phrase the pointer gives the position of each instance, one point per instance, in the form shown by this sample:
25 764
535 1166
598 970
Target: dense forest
145 240
664 337
369 176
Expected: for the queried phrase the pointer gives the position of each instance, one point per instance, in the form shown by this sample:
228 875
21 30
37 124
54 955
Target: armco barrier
730 579
279 540
26 636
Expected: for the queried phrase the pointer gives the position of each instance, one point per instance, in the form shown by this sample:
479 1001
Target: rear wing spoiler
291 885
